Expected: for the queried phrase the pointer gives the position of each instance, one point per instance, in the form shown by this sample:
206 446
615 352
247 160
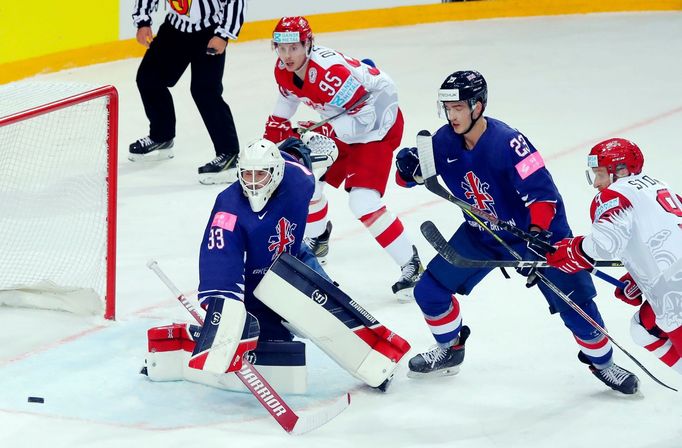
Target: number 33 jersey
638 220
334 83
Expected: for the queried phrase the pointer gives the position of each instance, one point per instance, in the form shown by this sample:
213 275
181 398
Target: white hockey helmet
261 168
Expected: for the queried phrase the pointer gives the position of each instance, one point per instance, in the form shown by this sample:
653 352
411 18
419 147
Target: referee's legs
161 67
207 89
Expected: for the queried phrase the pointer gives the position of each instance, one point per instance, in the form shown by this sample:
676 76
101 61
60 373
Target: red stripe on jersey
391 233
448 318
318 216
542 213
603 209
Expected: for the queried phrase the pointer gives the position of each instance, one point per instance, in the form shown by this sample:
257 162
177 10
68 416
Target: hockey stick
361 100
429 229
428 167
259 386
436 239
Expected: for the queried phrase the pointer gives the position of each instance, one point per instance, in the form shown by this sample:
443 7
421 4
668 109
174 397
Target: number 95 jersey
334 83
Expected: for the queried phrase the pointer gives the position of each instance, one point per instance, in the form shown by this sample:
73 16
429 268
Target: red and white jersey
334 82
638 220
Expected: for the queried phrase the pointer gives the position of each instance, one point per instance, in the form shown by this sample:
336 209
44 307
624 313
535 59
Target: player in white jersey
361 102
637 219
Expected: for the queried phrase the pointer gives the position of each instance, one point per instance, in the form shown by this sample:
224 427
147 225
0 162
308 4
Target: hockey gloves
569 256
631 294
535 250
408 169
278 129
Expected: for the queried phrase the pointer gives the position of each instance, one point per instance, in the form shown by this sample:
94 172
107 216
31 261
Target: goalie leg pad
168 349
228 332
321 312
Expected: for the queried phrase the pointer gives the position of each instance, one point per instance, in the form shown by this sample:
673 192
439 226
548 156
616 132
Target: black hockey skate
614 376
410 273
440 361
146 149
221 170
319 245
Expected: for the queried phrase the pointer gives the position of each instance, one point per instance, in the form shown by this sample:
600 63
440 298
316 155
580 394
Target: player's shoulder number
519 145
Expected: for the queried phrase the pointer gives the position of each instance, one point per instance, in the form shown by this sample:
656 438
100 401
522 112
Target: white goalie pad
315 315
169 348
221 337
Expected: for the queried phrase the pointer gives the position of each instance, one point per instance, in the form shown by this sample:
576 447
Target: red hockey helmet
616 153
291 30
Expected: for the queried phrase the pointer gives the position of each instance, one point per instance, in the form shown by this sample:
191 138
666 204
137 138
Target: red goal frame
112 171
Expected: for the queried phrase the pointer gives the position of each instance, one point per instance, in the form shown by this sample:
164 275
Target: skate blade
405 295
154 156
450 371
223 177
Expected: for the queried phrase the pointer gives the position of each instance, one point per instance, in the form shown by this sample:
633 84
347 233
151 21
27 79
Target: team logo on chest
478 191
181 6
312 75
283 239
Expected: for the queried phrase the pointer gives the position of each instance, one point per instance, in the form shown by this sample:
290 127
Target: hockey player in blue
252 222
257 279
496 169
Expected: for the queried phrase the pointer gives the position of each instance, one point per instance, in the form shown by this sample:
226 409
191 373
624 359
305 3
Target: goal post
58 183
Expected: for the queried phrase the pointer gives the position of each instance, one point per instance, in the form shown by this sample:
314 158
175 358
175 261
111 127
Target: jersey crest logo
478 191
182 7
312 75
283 239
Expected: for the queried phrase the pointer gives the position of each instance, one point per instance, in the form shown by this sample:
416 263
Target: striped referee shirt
225 16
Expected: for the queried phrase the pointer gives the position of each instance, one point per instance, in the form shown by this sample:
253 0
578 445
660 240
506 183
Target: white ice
566 82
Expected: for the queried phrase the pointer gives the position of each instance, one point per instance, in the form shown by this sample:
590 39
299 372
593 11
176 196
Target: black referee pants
163 64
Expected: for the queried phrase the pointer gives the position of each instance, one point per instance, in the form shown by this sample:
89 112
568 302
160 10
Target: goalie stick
320 123
430 231
428 167
436 239
256 383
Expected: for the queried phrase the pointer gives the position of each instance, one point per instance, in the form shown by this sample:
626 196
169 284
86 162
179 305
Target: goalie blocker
317 310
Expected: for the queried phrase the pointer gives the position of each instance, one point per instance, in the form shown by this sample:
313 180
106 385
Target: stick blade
425 152
311 421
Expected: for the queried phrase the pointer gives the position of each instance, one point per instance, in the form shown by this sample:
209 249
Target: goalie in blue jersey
260 285
496 169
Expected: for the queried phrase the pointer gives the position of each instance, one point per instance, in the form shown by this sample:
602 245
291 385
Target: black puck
36 400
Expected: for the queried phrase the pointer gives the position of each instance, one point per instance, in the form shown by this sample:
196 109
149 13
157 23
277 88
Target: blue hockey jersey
239 245
501 175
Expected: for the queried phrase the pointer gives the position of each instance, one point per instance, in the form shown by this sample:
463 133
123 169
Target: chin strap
473 120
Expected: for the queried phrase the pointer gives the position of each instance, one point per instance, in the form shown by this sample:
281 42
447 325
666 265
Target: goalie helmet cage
58 178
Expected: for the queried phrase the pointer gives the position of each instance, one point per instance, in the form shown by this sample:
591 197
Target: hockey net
58 159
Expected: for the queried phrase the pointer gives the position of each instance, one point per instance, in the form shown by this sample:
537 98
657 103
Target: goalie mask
261 169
